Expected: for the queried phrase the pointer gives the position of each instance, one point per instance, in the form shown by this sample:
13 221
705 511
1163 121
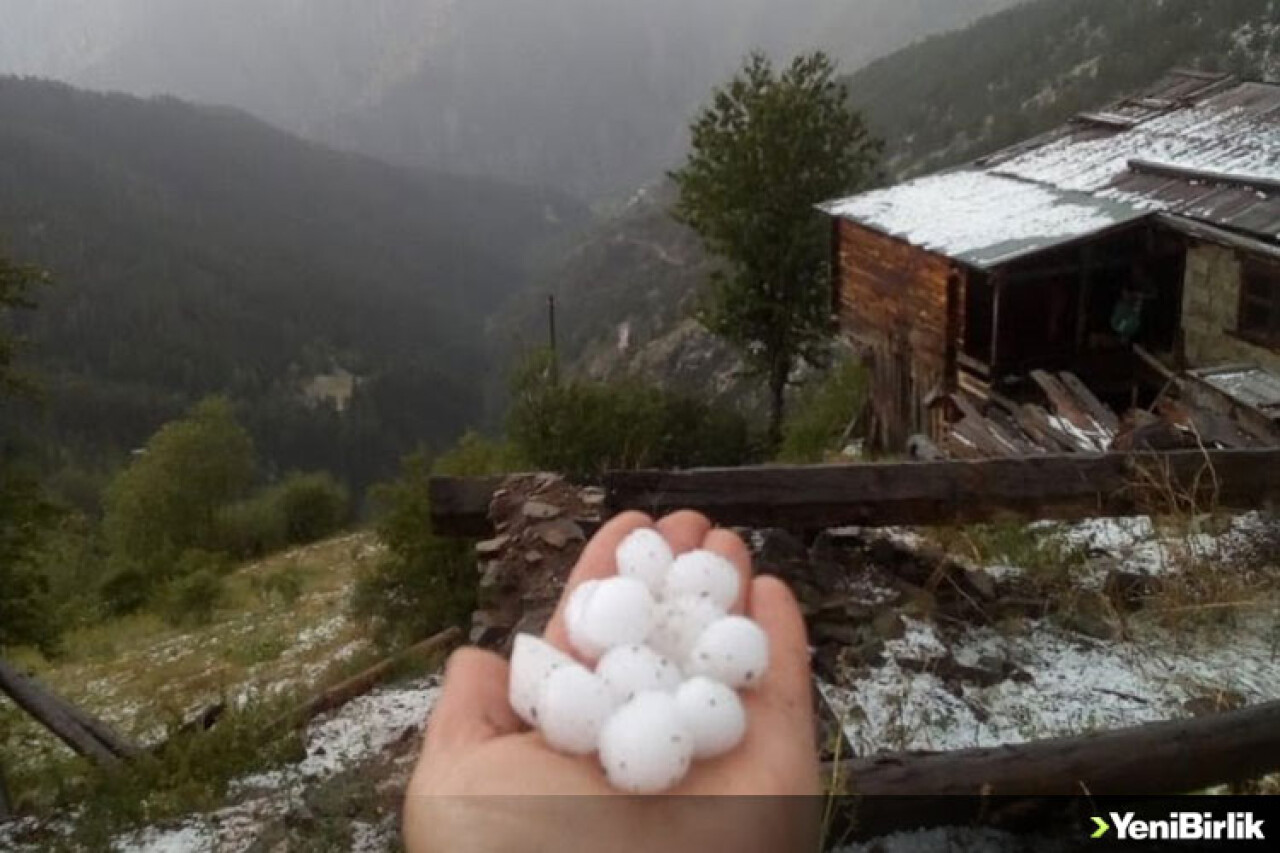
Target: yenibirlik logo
1182 826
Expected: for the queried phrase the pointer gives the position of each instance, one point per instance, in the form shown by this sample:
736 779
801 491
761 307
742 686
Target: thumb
473 706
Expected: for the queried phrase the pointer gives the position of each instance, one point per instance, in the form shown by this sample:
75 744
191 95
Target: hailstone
645 747
635 669
532 661
678 623
645 555
733 650
713 714
573 705
613 612
703 574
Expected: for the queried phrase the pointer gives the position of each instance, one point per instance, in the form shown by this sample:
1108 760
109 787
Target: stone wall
1210 304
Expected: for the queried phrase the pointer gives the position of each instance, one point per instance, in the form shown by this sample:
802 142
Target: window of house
1260 302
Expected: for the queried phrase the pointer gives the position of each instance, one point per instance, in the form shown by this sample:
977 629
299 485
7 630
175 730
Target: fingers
597 561
684 531
473 706
787 685
729 545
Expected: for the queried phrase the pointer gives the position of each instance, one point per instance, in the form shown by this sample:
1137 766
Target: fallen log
1174 757
51 713
361 683
1063 487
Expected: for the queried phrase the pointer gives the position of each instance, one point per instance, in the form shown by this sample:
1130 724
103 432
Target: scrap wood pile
1074 420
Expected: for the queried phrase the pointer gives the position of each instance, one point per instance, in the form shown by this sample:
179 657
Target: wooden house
1148 231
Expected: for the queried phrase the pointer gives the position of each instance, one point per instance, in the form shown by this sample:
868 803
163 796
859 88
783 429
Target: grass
280 634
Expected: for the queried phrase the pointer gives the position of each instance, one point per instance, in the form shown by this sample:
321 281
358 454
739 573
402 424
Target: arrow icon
1102 829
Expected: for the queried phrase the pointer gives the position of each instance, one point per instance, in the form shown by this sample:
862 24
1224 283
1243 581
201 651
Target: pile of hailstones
668 660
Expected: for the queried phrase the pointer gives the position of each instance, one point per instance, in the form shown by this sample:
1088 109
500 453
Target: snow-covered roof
980 218
1198 146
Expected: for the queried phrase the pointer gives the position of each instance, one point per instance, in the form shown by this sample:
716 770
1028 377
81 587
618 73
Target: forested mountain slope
955 96
196 251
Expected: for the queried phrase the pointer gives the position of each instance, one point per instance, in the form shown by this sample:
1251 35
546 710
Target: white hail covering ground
1077 683
978 216
355 733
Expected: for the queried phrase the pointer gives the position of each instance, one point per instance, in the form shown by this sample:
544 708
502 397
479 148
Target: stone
916 601
1091 614
492 547
559 533
540 511
497 577
592 497
532 557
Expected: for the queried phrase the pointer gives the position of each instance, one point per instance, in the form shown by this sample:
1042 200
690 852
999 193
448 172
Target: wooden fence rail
1066 487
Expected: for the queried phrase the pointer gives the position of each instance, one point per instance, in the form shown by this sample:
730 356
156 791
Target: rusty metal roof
1201 146
1248 385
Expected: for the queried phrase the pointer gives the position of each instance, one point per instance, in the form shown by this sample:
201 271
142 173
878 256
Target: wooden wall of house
893 305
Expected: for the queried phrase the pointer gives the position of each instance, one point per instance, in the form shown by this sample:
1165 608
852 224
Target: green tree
167 500
769 147
25 605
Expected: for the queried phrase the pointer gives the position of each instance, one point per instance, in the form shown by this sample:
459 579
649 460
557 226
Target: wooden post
997 284
52 715
1082 303
551 339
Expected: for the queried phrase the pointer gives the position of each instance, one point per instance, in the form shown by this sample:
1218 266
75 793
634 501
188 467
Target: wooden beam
460 505
33 699
1069 486
1174 757
362 682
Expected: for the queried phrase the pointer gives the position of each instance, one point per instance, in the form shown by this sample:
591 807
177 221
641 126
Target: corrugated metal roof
981 218
1248 385
1195 145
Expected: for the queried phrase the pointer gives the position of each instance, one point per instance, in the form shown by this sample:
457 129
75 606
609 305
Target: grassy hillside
956 96
197 251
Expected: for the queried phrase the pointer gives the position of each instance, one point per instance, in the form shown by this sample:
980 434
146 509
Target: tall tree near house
769 147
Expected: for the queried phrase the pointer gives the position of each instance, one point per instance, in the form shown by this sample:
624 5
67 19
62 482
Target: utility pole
551 324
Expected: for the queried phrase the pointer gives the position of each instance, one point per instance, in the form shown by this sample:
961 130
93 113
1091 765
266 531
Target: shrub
312 506
199 591
477 456
823 413
424 583
251 528
125 591
584 428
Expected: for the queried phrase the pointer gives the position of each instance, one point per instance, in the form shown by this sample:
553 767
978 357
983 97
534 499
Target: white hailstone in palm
645 748
703 574
573 705
533 660
645 555
608 613
733 650
678 623
713 714
635 669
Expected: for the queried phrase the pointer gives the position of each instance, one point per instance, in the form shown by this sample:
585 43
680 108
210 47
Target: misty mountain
957 96
196 250
592 96
628 290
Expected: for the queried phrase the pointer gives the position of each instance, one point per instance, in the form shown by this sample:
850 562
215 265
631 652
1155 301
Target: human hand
484 782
